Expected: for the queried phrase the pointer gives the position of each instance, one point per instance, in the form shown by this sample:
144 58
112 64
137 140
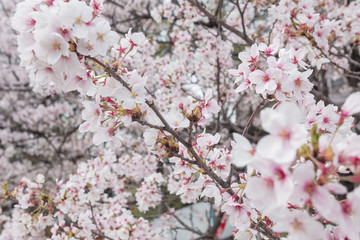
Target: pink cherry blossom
351 105
265 81
51 48
209 105
251 58
285 130
242 151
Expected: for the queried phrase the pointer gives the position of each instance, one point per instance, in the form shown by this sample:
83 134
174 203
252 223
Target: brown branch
242 17
221 22
145 123
99 233
184 158
251 117
218 94
187 227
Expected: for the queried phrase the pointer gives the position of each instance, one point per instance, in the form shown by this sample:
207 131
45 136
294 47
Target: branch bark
221 22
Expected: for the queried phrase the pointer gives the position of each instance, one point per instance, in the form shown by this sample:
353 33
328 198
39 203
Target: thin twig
221 22
100 233
252 116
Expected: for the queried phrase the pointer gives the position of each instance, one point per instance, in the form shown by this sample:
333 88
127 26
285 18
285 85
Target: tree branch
221 22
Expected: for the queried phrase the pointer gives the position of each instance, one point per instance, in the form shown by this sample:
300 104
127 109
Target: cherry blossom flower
130 99
181 166
102 37
286 133
86 47
319 196
299 225
272 48
297 57
40 178
283 63
51 48
206 139
239 214
351 105
328 118
150 136
76 15
275 184
91 114
350 215
23 20
298 83
106 134
251 58
265 81
213 192
242 151
131 43
177 120
209 105
242 75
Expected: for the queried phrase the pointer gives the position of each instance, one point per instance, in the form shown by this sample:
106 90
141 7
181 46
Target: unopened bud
196 114
72 47
328 154
304 151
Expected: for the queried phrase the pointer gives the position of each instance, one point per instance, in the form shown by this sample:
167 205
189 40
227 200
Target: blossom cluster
48 44
287 182
279 77
79 213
